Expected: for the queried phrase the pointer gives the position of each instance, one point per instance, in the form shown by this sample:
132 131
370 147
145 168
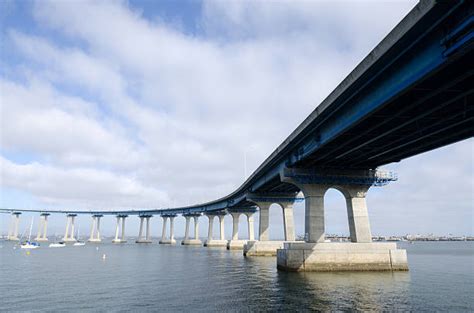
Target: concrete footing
119 241
69 240
327 257
42 239
143 241
167 242
191 242
94 240
262 248
236 244
216 243
13 238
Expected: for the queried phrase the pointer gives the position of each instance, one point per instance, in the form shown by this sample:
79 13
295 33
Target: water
176 278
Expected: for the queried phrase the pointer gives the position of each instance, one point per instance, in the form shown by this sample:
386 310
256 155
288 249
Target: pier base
69 240
41 239
143 241
236 244
94 240
119 241
167 242
262 248
328 257
215 243
191 242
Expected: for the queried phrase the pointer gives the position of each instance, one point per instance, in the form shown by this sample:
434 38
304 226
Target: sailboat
59 244
28 244
78 242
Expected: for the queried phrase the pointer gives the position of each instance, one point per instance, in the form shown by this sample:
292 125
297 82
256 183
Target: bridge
413 93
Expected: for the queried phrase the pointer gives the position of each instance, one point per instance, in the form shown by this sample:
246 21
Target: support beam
211 242
95 229
144 222
195 241
14 226
164 237
120 220
42 236
69 233
235 243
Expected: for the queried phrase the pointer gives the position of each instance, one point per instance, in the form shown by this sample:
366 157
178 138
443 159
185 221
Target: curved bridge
411 94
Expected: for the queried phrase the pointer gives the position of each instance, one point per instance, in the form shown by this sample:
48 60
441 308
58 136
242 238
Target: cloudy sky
146 104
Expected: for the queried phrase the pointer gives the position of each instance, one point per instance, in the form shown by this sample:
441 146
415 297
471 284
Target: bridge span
411 94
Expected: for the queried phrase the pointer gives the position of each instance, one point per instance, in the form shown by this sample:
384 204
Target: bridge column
42 228
121 239
164 238
235 243
14 226
95 229
147 238
195 241
361 254
69 234
264 246
211 242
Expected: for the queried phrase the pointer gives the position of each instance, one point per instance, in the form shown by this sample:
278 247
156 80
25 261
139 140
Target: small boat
28 244
57 245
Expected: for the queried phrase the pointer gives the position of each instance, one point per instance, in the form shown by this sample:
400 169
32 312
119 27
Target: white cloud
167 114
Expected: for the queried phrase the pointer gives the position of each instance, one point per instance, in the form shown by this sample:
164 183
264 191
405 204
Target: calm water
175 278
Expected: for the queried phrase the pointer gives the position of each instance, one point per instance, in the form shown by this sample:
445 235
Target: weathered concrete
95 229
216 243
147 238
236 244
195 241
122 238
13 227
325 257
164 238
42 228
69 233
262 248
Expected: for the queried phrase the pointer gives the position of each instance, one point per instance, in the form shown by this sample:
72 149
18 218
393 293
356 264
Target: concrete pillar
235 226
264 209
314 212
357 213
288 221
14 226
148 228
98 228
196 227
250 224
42 228
123 228
73 220
140 232
172 228
93 227
39 235
117 226
210 227
163 230
186 231
66 234
221 227
45 228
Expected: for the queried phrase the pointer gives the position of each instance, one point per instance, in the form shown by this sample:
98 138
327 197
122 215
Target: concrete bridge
411 94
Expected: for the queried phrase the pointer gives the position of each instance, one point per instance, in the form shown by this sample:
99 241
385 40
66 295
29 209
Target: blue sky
146 104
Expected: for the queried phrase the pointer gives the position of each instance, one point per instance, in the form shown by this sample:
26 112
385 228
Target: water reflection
362 291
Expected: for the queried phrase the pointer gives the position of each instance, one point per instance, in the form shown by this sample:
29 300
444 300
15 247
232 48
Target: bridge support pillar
121 239
315 254
235 243
42 228
164 237
14 226
95 229
264 246
211 242
147 238
69 233
195 241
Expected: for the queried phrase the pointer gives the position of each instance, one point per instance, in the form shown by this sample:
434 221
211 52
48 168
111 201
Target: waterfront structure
120 220
413 93
13 227
42 234
147 238
95 228
194 241
69 233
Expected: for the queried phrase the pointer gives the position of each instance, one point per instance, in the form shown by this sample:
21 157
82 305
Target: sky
151 104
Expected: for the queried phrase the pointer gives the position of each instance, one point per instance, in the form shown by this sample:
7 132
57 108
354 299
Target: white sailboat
78 242
28 244
59 244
